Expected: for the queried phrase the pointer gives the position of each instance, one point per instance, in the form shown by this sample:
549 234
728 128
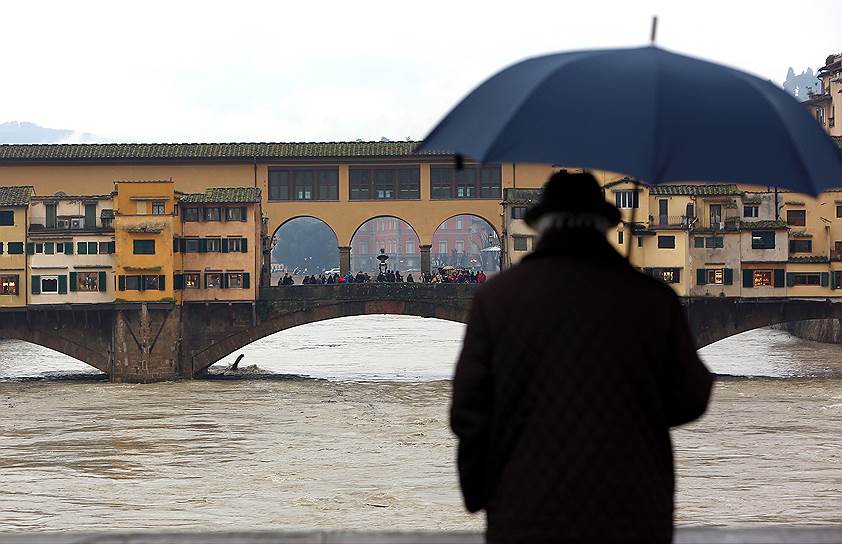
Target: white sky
307 70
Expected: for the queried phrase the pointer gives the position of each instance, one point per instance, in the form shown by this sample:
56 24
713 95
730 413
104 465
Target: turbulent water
343 424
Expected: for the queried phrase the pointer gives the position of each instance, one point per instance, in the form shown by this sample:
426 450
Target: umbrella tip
654 32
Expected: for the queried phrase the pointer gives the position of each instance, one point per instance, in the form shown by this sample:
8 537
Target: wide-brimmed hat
572 193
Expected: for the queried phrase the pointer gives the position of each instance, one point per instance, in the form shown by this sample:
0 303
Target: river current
343 424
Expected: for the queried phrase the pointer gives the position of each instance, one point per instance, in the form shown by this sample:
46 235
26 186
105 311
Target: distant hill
14 132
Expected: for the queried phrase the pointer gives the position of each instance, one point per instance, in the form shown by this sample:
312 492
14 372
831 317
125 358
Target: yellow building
145 227
826 103
71 249
220 244
14 223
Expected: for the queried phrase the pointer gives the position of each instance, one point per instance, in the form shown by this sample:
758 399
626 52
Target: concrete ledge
683 535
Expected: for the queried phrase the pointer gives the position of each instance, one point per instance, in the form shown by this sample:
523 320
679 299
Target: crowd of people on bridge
443 275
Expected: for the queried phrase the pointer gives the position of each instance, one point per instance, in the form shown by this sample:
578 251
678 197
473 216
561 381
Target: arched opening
20 359
394 236
466 241
302 246
365 347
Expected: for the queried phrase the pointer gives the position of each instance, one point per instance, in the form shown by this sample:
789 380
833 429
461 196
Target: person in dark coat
573 369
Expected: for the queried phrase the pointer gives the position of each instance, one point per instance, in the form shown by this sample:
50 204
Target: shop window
762 278
9 285
87 281
152 283
715 276
235 280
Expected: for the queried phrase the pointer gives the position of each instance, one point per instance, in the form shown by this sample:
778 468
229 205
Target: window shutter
62 285
825 279
246 283
30 248
82 248
779 277
112 247
178 281
729 276
162 283
677 275
103 278
73 282
175 245
790 279
833 280
242 213
748 281
701 276
36 285
203 245
223 245
1 248
68 248
223 214
182 245
121 282
244 245
224 281
206 281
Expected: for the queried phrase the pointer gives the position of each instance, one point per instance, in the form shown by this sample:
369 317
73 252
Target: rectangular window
133 283
714 242
59 247
151 283
384 184
460 246
49 248
143 247
235 280
838 210
443 247
807 279
715 276
409 183
213 280
15 248
192 280
190 214
212 214
627 199
214 245
666 242
666 275
698 241
518 212
51 216
9 285
86 281
235 214
763 239
796 218
751 211
304 183
159 208
368 183
620 237
446 182
236 245
7 218
191 245
39 248
90 216
519 243
92 248
49 284
762 278
410 247
800 246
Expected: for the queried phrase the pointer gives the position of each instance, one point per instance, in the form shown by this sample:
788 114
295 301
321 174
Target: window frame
796 276
795 242
666 238
754 207
520 243
192 275
43 291
470 180
801 216
318 184
7 213
757 238
187 215
363 182
714 274
9 279
622 197
760 272
159 207
87 289
143 247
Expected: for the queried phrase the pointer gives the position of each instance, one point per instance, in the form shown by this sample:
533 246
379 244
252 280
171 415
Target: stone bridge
163 341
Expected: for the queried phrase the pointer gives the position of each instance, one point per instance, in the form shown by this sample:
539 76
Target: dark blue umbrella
644 112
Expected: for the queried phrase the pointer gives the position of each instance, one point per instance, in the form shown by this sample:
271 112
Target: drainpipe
777 210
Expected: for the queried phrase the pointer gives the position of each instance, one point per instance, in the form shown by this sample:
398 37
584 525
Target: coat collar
575 242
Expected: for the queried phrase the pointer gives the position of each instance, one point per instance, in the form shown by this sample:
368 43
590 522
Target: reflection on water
354 434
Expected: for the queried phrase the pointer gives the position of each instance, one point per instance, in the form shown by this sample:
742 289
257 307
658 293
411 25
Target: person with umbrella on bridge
562 402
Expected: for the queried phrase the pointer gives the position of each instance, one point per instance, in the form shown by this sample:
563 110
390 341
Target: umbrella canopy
645 112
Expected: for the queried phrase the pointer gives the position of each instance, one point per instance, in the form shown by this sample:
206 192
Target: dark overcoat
573 369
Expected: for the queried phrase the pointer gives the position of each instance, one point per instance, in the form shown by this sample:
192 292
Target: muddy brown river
343 424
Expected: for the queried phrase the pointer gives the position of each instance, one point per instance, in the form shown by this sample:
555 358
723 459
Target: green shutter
246 277
73 282
701 276
244 245
790 279
121 282
1 248
68 248
779 277
90 216
36 285
175 245
112 247
82 248
833 280
30 248
162 283
203 245
206 280
62 285
825 279
92 248
729 276
178 281
103 278
748 279
224 280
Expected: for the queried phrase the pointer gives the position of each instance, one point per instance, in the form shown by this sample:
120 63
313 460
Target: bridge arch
466 239
397 236
448 310
75 348
321 251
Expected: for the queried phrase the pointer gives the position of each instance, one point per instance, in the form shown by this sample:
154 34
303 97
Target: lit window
762 278
716 276
627 199
235 280
9 285
192 280
213 280
87 281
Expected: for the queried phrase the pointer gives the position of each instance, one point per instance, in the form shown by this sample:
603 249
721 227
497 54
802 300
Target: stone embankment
828 331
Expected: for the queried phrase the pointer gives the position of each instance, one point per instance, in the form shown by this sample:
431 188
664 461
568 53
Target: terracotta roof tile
695 190
221 195
15 195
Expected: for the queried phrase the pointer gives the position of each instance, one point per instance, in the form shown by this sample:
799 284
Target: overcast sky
304 70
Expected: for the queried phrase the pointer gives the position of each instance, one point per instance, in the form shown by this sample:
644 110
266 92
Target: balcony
671 222
717 224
